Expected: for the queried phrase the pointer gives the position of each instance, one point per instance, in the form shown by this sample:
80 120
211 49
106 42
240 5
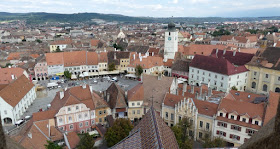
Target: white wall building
219 73
15 98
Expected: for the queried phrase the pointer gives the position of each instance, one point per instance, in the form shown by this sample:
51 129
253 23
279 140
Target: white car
106 77
19 122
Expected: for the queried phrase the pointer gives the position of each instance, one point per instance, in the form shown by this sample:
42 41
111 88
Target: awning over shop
73 76
60 74
182 80
131 76
85 74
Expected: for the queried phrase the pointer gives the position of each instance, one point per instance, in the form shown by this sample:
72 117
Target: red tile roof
136 93
239 58
6 74
218 65
15 91
272 106
205 107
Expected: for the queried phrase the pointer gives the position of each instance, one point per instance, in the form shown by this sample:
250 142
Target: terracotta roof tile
73 139
44 115
272 106
16 90
6 74
136 93
218 65
54 58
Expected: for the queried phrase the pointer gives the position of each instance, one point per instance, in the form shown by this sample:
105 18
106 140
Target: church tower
171 42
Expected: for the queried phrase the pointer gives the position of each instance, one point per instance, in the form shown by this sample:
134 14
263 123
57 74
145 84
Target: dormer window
244 119
231 117
221 114
257 122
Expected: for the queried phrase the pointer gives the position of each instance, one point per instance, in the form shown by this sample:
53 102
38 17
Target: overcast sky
152 8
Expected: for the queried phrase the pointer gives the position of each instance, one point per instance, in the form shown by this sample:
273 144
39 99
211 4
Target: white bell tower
171 42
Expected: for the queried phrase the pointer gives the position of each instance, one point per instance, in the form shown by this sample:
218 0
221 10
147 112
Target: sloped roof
242 107
239 58
74 58
181 65
54 58
117 97
73 139
151 132
205 107
171 99
44 115
136 93
146 63
272 106
16 90
138 49
119 55
218 65
6 74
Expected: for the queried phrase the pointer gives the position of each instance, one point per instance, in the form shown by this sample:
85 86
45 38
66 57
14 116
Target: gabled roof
242 107
119 55
117 97
171 99
6 74
205 107
16 90
239 58
136 93
181 65
138 49
54 58
217 65
272 106
151 132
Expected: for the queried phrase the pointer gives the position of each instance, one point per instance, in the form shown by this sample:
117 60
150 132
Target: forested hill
42 17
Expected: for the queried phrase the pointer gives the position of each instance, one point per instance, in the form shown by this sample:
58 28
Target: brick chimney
61 94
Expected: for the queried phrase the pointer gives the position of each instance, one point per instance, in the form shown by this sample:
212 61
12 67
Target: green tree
112 67
87 142
52 145
220 32
67 74
138 70
118 47
234 88
181 133
38 40
216 142
118 131
57 49
7 65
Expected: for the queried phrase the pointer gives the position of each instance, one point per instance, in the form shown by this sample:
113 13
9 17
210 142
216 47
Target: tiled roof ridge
134 132
156 126
41 131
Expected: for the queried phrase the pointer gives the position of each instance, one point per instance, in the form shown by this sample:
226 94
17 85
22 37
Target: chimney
84 86
159 76
115 55
234 52
13 77
238 49
192 88
108 97
200 90
196 95
217 52
133 56
224 52
61 94
140 58
209 91
125 95
153 53
139 54
204 96
65 89
90 88
185 85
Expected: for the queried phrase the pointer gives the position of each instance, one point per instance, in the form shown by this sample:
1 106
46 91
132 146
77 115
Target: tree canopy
57 49
138 70
220 32
52 145
118 131
67 74
181 133
216 142
112 67
86 142
118 47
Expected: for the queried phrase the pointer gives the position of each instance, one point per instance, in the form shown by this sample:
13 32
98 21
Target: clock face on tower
169 38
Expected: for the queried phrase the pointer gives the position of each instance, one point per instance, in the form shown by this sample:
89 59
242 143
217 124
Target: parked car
27 117
19 122
95 81
114 79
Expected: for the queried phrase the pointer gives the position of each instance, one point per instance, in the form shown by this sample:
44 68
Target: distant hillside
42 17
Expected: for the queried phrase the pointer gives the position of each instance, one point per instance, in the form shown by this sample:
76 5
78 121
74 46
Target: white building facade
220 82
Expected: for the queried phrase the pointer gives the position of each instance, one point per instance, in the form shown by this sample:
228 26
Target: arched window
253 84
265 87
277 90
